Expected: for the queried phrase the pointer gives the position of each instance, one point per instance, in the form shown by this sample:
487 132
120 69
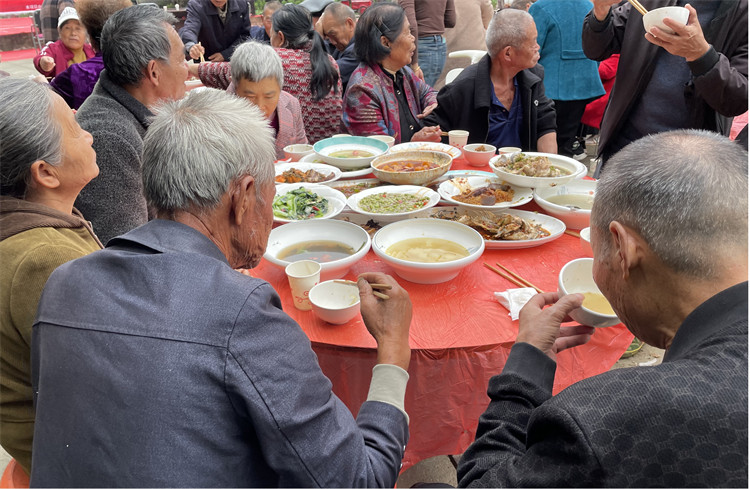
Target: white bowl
336 200
297 151
389 140
450 188
334 302
577 277
576 169
479 154
428 273
585 234
580 191
331 171
654 18
432 196
325 147
293 233
443 160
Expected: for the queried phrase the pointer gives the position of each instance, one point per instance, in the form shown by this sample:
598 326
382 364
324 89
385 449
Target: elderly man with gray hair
157 364
143 65
669 234
500 100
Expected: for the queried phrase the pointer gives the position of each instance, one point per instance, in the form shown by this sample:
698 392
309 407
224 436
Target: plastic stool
14 476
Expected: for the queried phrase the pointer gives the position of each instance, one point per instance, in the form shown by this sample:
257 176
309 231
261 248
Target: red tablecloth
460 337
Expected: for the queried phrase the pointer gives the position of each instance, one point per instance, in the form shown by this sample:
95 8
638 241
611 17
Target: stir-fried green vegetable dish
299 204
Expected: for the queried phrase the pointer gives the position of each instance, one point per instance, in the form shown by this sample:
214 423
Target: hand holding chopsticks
375 288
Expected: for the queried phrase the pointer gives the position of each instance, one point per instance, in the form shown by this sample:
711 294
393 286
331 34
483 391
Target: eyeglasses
497 10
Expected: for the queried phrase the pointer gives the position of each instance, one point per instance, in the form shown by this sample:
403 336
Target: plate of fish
483 193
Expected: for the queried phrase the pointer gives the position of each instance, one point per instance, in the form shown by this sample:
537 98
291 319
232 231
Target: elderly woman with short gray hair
46 160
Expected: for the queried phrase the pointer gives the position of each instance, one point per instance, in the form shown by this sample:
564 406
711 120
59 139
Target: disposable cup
303 275
458 138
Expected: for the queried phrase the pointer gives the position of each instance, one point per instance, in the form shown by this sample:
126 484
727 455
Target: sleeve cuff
597 25
529 363
388 385
188 45
702 65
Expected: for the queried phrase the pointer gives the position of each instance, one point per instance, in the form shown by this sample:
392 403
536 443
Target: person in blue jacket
213 28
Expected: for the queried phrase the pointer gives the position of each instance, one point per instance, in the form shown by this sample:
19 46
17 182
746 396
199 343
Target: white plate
555 227
303 167
369 182
353 201
423 145
336 200
576 169
313 158
521 195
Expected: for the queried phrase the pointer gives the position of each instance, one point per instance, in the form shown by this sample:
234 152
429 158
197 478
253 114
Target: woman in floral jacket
384 96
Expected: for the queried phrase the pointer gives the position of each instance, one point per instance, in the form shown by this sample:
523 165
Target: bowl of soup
427 251
349 152
414 167
577 277
336 245
571 203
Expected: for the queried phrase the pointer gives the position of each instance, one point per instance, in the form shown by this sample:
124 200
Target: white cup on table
458 138
506 150
303 275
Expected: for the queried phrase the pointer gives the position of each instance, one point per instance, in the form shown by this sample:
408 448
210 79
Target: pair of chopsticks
637 5
202 58
572 233
513 277
375 288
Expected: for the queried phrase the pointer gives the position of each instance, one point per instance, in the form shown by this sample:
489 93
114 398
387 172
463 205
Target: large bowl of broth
577 277
571 203
349 152
336 245
411 167
536 170
428 251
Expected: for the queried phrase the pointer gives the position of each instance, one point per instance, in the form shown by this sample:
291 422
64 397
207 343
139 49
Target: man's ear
628 246
242 199
153 72
350 23
44 175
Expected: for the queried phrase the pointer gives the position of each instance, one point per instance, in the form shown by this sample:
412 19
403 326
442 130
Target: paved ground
436 469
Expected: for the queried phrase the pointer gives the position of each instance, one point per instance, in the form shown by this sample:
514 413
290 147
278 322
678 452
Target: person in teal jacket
570 78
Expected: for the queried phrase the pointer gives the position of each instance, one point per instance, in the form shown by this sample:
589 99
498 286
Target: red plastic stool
14 476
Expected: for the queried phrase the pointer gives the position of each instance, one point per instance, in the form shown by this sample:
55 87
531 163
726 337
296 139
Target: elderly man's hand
46 63
602 7
540 326
196 51
687 41
387 320
431 134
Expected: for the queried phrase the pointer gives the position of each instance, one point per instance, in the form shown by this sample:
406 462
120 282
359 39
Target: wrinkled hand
602 8
427 111
46 63
196 50
388 320
418 71
687 41
431 134
216 57
540 326
193 69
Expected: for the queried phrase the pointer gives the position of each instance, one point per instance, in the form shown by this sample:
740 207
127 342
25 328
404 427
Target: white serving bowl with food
335 302
303 201
571 202
349 152
301 172
415 167
336 245
655 18
585 235
488 194
393 201
411 245
479 154
529 169
577 277
426 146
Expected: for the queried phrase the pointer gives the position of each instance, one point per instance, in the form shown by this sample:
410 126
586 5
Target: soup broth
351 153
581 201
597 303
320 251
427 250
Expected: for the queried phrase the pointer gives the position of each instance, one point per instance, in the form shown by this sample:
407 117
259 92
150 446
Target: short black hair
383 19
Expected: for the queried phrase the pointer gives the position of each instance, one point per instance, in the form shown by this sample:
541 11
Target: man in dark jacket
695 78
500 100
336 25
218 25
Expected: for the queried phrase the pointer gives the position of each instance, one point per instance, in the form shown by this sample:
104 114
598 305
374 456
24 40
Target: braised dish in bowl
411 167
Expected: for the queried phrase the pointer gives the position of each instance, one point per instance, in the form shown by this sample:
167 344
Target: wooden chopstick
523 280
203 60
443 133
637 5
506 277
575 234
380 294
375 288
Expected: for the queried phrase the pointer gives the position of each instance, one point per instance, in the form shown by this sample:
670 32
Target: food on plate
295 175
370 226
392 203
497 227
530 166
351 153
408 166
427 250
598 303
299 204
574 201
355 188
321 251
490 194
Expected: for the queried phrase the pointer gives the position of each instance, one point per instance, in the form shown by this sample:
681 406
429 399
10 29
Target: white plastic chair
474 54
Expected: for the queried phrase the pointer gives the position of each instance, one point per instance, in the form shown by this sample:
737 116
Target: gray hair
684 192
507 28
28 132
340 12
133 37
196 147
255 61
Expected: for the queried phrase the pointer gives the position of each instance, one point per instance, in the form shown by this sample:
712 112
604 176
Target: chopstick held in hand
637 5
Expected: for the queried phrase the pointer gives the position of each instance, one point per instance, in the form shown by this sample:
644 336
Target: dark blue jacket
347 62
203 25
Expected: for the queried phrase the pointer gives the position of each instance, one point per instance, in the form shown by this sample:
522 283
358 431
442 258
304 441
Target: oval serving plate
331 171
448 190
353 201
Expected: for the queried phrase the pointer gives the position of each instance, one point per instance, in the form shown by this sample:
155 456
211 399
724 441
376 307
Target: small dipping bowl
577 277
479 154
297 151
655 18
586 241
389 140
335 302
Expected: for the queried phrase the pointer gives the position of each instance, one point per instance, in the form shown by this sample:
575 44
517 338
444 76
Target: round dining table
460 337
